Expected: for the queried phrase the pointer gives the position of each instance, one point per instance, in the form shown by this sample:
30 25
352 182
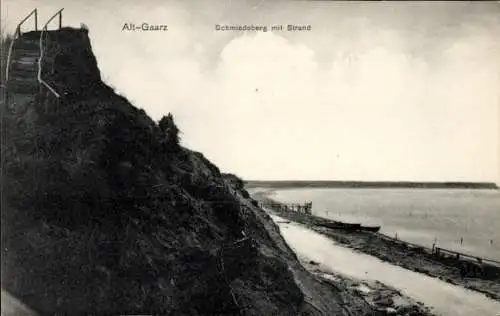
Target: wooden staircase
23 68
24 77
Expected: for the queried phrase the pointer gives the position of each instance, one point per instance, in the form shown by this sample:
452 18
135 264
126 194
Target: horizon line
444 184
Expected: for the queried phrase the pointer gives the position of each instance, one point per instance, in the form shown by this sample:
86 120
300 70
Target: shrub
169 137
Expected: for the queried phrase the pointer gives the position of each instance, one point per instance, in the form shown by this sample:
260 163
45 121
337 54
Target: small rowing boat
340 225
348 226
370 228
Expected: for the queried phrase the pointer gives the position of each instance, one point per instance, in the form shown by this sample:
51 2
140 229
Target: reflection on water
445 298
462 220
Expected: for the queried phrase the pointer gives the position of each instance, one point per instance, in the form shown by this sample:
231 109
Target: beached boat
348 226
340 225
370 228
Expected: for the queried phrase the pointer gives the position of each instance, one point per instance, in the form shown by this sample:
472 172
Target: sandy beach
315 252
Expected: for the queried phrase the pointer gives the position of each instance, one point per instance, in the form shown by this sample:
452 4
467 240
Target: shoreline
381 298
394 252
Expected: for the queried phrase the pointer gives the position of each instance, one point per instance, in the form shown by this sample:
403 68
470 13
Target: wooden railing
35 14
44 30
17 34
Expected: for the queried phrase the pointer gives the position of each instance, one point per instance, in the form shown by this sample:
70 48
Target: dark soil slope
105 213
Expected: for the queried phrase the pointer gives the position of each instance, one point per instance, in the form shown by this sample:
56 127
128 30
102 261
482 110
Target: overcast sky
375 91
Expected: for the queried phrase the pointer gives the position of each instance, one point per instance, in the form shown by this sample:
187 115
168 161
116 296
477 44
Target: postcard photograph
256 157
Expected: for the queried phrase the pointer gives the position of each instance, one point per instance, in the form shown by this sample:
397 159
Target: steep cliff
106 213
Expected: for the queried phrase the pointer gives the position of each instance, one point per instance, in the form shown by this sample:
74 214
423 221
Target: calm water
463 220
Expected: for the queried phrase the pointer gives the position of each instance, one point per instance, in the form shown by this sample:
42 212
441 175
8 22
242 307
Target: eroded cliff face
105 212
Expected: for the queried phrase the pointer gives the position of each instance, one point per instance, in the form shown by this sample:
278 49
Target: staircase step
35 50
16 71
18 83
27 53
23 76
24 60
22 40
27 46
22 81
25 57
32 49
23 65
29 37
23 68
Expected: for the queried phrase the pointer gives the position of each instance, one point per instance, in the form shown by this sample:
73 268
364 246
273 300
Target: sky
374 91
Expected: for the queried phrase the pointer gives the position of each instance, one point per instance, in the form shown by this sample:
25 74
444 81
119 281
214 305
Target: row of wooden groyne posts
305 208
468 265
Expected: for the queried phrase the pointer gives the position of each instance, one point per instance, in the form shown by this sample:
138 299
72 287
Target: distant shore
287 184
